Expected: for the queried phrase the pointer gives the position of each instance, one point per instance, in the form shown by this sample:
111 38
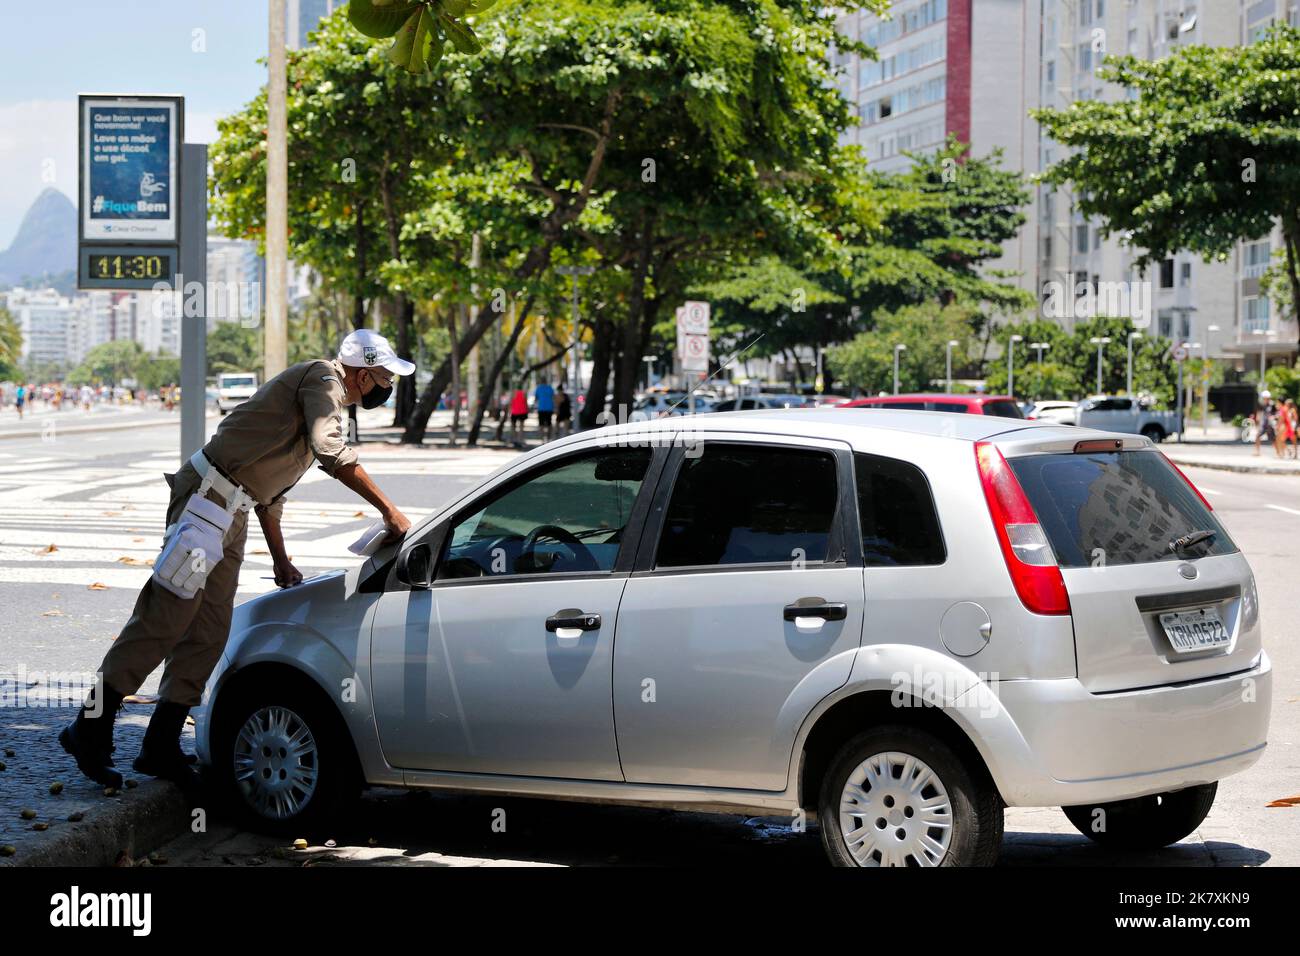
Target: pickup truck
1124 414
233 388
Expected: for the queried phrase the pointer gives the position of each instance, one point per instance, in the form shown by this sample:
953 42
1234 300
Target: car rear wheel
900 796
1154 432
283 759
1145 823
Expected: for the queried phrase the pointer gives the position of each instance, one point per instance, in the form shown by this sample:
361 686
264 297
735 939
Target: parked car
748 403
666 404
1058 412
898 623
1128 415
234 388
1003 406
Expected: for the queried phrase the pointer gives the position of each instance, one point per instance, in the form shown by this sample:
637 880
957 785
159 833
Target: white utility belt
237 499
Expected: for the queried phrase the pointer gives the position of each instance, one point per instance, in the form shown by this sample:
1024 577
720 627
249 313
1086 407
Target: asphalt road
98 498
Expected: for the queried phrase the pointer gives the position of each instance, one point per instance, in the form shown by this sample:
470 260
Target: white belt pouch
195 543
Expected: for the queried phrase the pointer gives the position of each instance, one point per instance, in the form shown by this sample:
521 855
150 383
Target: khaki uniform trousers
188 636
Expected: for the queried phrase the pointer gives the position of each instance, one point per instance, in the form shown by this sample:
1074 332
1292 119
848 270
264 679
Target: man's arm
354 476
286 575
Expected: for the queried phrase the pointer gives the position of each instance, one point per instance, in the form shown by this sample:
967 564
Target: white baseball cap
366 349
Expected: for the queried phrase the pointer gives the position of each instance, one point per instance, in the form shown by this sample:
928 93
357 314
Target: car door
502 664
743 611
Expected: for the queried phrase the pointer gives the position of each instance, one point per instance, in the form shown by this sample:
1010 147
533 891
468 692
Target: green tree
110 363
233 347
11 345
867 361
1204 155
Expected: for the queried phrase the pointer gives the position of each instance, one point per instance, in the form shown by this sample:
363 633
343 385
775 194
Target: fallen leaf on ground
48 549
1286 802
97 586
112 514
136 540
53 612
141 562
260 551
359 514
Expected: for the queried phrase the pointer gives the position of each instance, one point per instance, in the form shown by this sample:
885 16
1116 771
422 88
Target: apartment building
975 68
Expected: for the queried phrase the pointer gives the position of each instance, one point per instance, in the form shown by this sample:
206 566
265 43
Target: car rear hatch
1158 592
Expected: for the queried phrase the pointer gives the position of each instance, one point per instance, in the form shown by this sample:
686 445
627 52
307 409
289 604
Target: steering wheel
581 553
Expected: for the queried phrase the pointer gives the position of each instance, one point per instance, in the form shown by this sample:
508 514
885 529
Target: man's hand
286 575
398 524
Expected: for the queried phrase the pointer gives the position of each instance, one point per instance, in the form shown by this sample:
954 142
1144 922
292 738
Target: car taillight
1025 547
1205 501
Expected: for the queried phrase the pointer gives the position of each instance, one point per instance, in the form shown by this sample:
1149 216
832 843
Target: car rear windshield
1003 409
1111 508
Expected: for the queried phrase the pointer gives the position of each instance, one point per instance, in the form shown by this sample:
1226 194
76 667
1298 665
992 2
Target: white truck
1122 413
234 388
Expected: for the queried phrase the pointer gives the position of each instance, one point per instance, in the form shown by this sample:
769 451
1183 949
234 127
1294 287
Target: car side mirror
415 567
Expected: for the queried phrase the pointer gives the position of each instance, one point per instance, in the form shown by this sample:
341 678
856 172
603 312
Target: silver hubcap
276 762
895 811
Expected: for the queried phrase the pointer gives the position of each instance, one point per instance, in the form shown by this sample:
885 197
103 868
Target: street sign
695 353
1179 353
693 318
129 189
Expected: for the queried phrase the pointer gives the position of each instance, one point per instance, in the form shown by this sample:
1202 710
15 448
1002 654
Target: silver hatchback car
898 623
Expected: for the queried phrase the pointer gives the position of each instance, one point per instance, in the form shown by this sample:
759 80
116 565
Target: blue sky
53 50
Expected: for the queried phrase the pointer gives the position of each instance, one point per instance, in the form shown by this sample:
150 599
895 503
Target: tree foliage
1202 157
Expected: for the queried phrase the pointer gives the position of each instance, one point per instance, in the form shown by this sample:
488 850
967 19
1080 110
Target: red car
1004 406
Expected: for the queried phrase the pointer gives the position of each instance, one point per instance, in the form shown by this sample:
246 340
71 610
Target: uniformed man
182 616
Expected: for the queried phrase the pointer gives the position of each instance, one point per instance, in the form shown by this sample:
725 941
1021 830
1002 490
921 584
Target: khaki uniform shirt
267 443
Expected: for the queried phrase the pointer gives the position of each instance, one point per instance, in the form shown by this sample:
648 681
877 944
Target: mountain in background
46 244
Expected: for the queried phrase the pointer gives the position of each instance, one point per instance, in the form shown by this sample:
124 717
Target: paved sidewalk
1230 456
51 815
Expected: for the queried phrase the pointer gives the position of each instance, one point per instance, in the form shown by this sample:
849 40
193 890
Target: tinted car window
1003 409
568 518
745 505
896 511
910 406
958 407
1115 507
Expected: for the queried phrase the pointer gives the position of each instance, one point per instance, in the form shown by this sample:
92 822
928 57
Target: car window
726 406
959 407
909 406
1116 508
737 504
570 517
896 511
1003 409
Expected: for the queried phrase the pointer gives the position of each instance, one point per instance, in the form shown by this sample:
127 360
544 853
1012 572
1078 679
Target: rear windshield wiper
1190 539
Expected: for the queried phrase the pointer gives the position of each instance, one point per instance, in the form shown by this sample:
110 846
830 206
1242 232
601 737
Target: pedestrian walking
1264 430
563 412
544 396
518 415
20 398
182 615
1289 425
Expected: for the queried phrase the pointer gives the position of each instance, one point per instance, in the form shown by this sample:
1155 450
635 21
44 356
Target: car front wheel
900 796
283 760
1145 823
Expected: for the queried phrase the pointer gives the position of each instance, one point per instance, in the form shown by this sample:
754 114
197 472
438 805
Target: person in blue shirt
545 396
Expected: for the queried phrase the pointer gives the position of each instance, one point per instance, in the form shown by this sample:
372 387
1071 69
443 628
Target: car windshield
238 381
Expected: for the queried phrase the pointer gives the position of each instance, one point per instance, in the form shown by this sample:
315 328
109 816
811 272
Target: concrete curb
80 429
1244 469
135 823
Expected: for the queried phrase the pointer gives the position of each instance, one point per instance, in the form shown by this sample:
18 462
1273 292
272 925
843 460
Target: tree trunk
601 352
1291 240
535 261
406 384
487 385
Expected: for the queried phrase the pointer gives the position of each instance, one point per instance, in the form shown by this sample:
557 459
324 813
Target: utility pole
1011 363
473 317
277 199
1128 381
897 349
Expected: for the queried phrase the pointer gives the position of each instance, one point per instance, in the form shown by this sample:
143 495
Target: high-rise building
302 16
966 68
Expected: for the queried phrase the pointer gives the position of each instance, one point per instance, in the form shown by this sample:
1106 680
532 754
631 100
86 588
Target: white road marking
1290 511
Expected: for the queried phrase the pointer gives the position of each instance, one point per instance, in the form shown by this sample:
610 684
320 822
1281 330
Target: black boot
90 738
160 753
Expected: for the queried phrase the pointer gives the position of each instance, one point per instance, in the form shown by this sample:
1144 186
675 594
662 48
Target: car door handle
568 625
815 607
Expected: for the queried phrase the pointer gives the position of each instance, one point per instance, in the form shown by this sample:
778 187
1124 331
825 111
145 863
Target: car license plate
1190 631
